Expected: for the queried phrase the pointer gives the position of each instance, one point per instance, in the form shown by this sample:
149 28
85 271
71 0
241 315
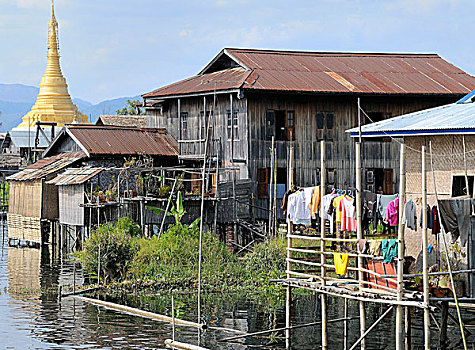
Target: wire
416 150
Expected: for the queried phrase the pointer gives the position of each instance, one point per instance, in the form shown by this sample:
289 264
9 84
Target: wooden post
275 193
345 324
408 342
443 325
270 189
173 318
322 245
425 270
179 125
99 265
400 249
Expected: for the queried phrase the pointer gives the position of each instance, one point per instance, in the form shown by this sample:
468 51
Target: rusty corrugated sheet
228 79
108 140
314 72
47 166
75 176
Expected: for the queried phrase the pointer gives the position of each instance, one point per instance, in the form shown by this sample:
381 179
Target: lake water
31 317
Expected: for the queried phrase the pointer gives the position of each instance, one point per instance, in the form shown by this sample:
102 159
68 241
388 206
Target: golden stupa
53 104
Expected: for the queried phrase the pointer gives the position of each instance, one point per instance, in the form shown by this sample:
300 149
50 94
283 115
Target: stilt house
250 97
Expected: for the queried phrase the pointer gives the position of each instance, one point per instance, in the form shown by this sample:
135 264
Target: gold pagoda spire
53 103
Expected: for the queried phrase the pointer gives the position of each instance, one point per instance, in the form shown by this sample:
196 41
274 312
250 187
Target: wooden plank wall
193 106
340 152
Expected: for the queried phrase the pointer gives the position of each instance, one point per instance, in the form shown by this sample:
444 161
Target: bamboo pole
371 328
288 298
141 313
425 269
400 250
275 193
182 346
408 324
166 209
322 245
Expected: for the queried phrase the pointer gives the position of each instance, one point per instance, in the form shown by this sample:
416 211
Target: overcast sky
114 48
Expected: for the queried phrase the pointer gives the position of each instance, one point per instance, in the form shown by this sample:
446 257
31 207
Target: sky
115 48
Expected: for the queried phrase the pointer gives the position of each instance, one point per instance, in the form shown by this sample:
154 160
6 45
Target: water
31 317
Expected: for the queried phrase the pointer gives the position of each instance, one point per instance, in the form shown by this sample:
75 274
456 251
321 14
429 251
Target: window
325 123
232 123
280 124
459 185
184 124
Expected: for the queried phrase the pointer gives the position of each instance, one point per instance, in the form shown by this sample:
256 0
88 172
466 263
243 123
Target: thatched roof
138 121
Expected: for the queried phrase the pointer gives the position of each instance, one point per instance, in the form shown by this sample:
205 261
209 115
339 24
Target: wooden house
36 202
251 96
448 133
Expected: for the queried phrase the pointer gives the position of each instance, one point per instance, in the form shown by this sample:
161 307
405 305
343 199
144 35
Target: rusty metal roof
47 166
232 78
326 72
118 140
75 176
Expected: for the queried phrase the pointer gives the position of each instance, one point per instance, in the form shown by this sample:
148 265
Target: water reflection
32 318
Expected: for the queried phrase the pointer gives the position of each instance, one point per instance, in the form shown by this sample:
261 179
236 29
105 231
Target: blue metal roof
454 118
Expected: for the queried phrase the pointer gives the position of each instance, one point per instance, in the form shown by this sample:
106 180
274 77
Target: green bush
117 249
268 258
174 257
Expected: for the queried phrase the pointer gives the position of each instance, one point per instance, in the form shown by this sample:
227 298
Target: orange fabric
316 200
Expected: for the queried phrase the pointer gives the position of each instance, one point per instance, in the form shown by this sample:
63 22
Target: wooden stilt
425 270
400 250
288 304
443 325
345 325
271 195
322 246
408 326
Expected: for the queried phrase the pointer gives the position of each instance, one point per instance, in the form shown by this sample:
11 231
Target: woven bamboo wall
70 199
25 198
447 161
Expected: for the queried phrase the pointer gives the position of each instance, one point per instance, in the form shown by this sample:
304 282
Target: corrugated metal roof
75 176
321 72
108 140
454 118
232 78
46 166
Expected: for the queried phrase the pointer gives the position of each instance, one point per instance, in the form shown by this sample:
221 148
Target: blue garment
280 190
389 249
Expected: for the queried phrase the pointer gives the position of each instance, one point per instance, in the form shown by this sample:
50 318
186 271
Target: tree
130 109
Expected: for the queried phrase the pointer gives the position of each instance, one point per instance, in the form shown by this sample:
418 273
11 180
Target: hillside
17 99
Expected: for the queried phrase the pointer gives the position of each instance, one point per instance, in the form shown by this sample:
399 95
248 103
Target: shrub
268 258
117 248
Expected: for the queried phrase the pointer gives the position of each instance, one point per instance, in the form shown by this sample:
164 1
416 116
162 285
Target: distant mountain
16 100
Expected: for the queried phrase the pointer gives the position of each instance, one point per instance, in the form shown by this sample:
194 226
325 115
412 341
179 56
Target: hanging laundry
434 219
298 211
409 217
392 212
348 221
362 245
336 205
388 249
327 203
455 217
369 206
341 263
285 201
375 247
429 220
382 202
316 201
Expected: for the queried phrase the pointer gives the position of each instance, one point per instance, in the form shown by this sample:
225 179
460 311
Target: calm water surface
31 317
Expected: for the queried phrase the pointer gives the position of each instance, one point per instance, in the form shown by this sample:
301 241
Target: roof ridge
349 53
